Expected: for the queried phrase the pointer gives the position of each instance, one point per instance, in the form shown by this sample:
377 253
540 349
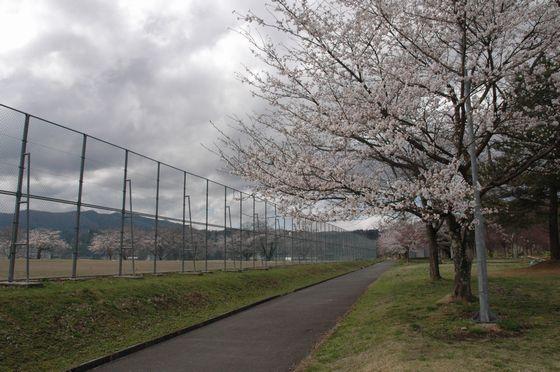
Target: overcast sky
147 75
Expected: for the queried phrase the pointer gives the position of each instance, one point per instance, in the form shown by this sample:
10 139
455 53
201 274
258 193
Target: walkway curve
273 336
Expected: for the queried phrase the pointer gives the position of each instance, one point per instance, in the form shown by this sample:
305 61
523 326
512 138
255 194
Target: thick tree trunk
462 261
39 253
431 234
553 222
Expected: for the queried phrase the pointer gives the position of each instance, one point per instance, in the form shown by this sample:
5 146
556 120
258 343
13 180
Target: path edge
302 364
137 347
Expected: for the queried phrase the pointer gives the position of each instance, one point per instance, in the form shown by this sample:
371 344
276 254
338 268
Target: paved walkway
273 336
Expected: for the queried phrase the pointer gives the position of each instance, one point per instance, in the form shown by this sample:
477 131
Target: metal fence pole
27 215
194 247
312 243
133 254
266 233
326 237
15 222
316 243
313 233
225 228
340 252
123 211
305 246
304 239
315 240
346 247
156 218
79 208
276 244
184 216
293 240
206 232
241 231
298 240
254 235
284 238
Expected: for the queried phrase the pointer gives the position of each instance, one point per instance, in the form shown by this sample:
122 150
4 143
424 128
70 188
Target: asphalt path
273 336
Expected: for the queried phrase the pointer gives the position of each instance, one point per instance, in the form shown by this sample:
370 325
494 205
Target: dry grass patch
49 268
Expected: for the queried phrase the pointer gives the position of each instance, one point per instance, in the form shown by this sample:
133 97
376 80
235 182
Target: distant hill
370 234
92 221
66 221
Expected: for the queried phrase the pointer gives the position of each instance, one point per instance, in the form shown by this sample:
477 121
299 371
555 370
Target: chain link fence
74 205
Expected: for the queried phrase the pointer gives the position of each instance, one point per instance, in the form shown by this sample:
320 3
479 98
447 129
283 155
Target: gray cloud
145 75
152 84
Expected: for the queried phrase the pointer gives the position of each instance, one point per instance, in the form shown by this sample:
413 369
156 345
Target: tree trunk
431 233
553 222
39 253
462 262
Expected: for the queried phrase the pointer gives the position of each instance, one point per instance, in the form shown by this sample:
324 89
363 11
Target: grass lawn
398 324
66 323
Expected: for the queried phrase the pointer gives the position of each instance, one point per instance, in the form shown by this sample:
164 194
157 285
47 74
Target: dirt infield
53 268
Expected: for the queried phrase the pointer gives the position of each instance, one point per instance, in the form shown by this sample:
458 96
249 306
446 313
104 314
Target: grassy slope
66 323
399 325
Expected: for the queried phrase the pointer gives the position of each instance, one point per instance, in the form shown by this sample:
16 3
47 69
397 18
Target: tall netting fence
72 205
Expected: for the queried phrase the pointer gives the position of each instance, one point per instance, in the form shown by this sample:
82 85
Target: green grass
66 323
400 323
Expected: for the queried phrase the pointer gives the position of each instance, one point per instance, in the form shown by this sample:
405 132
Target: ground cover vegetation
69 322
404 322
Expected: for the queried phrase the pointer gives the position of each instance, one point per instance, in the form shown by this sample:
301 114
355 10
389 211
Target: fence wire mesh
75 205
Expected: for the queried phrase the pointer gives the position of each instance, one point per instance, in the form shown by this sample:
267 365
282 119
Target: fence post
157 218
241 230
123 211
193 249
292 237
345 247
254 235
15 222
326 237
206 232
266 233
284 238
79 208
133 254
225 228
183 231
316 243
27 215
276 244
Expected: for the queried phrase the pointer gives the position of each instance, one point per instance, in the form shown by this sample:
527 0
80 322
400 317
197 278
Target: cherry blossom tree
264 244
5 242
368 104
390 244
400 237
106 243
46 240
41 240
